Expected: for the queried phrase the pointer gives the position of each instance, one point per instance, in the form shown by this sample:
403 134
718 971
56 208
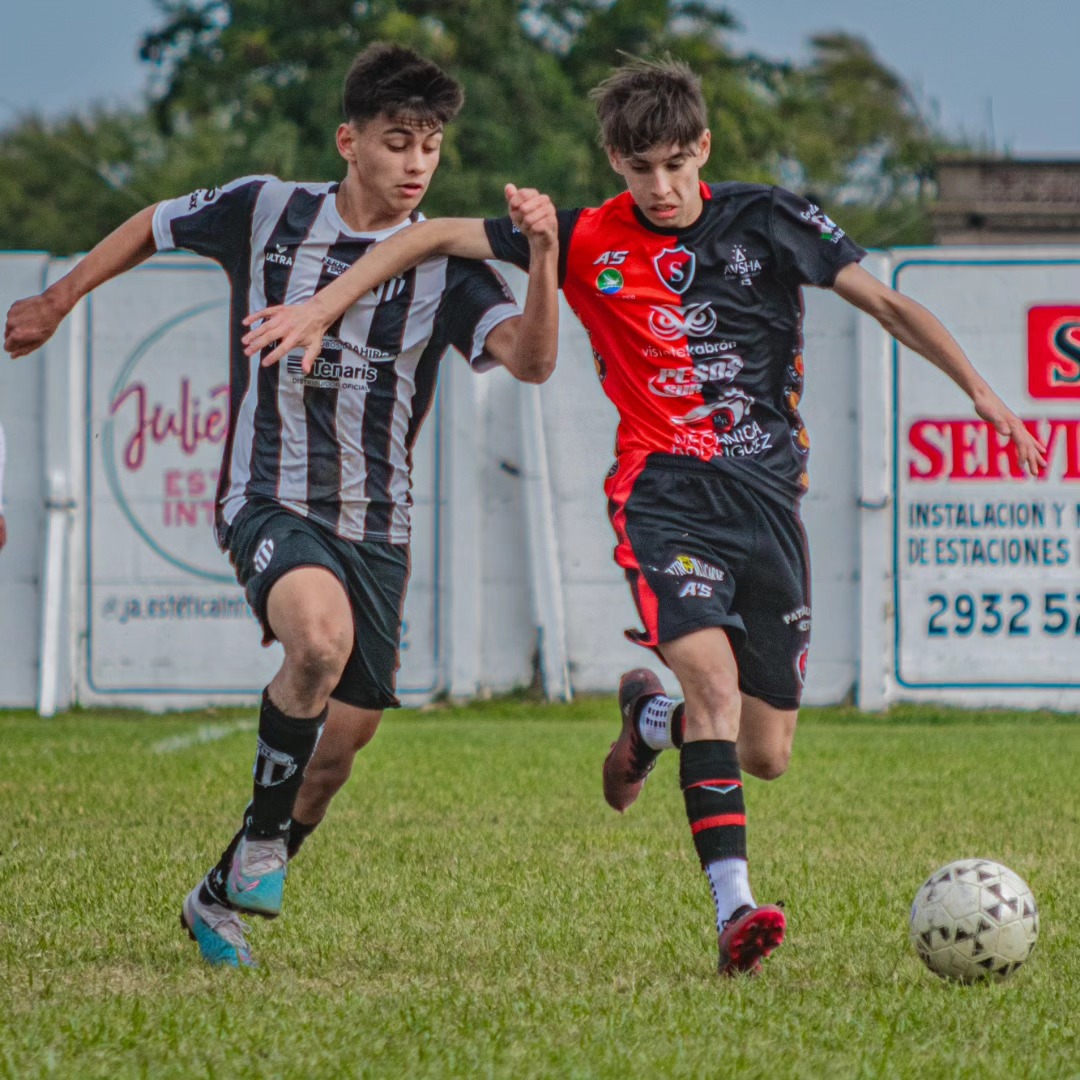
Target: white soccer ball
974 919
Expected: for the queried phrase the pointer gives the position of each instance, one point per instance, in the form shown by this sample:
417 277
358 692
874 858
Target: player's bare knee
317 659
766 765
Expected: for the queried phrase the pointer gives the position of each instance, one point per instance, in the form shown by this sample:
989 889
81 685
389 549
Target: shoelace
642 756
263 857
227 924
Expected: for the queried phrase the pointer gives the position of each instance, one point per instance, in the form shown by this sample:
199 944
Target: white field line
208 733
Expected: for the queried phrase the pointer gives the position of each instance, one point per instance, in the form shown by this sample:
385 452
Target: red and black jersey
697 332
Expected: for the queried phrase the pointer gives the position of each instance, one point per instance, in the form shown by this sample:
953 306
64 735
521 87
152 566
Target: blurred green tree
246 86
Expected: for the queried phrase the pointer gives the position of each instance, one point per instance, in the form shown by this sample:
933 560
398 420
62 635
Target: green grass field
472 908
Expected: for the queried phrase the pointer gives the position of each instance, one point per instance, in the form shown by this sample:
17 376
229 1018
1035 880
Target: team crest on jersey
800 664
675 268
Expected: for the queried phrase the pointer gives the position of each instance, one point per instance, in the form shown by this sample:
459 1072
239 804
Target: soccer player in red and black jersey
690 294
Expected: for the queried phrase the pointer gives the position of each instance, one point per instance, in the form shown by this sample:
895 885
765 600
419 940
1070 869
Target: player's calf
766 735
251 871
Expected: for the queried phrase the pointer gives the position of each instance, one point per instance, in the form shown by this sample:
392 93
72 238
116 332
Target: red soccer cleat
750 935
627 766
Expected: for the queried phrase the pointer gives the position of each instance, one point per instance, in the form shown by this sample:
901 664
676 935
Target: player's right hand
534 215
31 322
288 328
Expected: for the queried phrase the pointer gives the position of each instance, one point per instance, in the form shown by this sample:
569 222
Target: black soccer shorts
701 549
266 541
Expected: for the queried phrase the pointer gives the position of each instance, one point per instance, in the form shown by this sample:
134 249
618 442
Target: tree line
253 86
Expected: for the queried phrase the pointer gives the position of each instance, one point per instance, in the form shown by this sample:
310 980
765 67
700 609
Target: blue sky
1010 67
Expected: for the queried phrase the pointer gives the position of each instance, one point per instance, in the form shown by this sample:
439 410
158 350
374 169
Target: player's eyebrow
406 129
636 159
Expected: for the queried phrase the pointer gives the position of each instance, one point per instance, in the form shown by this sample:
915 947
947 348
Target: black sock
286 744
678 725
712 787
213 886
299 831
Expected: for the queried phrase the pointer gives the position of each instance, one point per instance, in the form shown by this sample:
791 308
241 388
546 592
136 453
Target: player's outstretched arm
912 325
31 322
302 326
527 346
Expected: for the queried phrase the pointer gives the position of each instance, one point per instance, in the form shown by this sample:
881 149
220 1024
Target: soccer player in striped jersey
690 293
314 494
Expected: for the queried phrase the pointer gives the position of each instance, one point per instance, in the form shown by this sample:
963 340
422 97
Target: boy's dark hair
648 103
392 80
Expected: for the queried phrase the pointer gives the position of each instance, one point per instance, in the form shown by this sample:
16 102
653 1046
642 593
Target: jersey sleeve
215 222
510 245
812 249
476 300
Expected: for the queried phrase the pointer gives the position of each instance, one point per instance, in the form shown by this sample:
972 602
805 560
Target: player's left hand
994 411
534 214
288 327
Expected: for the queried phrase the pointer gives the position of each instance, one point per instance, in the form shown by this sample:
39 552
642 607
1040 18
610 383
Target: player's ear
346 142
615 160
704 146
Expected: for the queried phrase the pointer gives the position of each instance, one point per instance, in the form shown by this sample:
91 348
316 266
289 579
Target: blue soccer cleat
217 930
256 880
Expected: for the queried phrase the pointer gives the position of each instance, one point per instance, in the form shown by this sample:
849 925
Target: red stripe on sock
717 822
715 783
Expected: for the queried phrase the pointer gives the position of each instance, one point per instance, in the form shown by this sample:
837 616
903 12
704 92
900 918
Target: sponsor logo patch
696 588
726 412
691 566
668 322
1054 351
279 255
609 282
742 266
684 381
826 227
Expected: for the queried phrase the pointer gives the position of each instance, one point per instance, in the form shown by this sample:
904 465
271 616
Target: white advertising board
987 561
166 621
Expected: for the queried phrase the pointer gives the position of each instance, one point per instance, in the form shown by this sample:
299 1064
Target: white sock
654 722
730 887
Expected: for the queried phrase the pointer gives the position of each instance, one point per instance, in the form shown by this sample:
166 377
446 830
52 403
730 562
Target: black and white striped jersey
334 445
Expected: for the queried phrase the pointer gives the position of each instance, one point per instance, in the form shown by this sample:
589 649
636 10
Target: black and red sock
712 788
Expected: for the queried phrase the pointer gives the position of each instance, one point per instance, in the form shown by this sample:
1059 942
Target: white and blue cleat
217 930
256 880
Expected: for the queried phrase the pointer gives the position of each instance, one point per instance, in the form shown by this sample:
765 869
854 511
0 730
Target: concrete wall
512 570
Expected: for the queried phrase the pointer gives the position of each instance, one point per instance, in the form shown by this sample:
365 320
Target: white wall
476 611
21 408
